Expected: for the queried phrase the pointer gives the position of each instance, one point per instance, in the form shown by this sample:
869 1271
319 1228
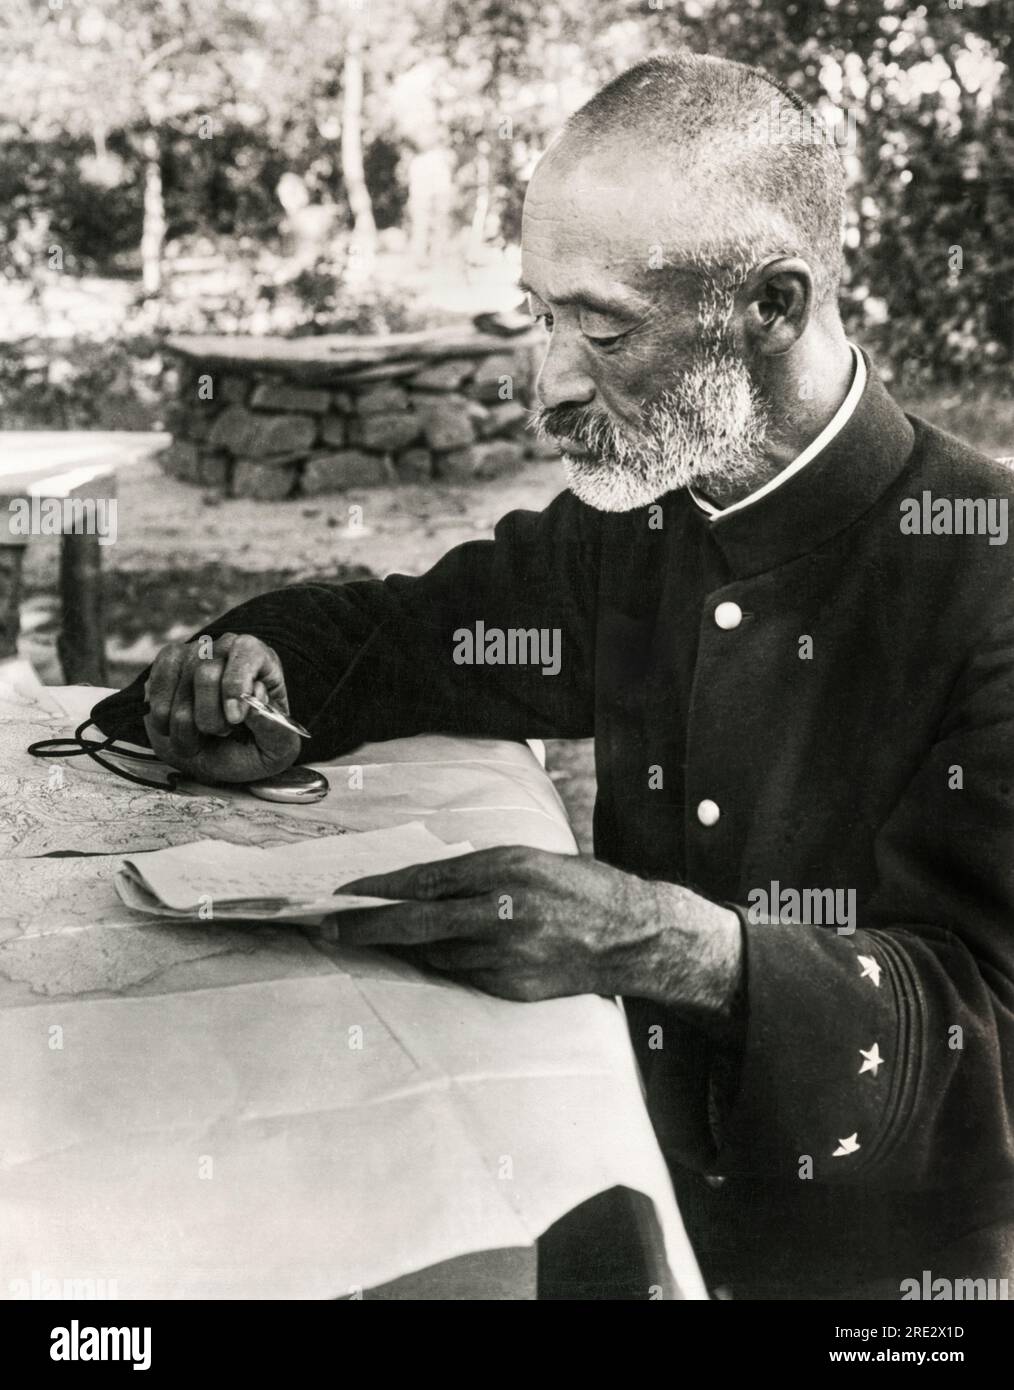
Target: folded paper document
214 879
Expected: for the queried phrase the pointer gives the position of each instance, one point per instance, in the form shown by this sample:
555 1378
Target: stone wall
273 418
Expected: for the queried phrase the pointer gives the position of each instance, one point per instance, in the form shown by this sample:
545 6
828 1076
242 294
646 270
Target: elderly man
783 610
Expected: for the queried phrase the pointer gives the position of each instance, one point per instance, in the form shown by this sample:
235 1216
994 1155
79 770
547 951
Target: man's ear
778 301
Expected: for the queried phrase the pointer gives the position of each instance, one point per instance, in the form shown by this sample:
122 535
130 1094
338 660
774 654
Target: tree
143 68
352 144
335 78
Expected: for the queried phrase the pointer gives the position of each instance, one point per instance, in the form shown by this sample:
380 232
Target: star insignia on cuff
871 969
872 1059
847 1146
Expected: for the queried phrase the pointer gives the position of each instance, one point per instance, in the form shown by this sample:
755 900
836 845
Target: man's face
643 385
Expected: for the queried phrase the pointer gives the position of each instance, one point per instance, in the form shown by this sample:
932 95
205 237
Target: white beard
711 428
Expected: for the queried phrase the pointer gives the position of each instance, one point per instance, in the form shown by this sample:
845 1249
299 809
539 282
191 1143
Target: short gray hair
762 162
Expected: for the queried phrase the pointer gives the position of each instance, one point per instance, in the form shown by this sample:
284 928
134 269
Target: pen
275 712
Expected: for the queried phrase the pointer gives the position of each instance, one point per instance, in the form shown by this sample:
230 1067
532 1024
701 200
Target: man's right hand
196 720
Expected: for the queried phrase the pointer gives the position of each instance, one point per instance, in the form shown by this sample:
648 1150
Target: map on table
64 933
361 1118
49 805
396 1119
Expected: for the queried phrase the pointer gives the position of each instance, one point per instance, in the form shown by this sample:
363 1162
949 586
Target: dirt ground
183 555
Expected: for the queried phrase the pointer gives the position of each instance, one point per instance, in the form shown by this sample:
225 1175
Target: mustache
579 423
597 431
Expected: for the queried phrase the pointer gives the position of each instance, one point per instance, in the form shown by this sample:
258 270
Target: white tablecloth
211 1111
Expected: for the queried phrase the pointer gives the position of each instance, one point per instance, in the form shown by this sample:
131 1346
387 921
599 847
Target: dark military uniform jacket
859 1129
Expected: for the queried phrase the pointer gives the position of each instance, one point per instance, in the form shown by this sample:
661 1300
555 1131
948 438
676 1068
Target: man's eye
605 342
546 318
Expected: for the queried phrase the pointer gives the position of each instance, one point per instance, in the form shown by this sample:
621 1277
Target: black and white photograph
507 668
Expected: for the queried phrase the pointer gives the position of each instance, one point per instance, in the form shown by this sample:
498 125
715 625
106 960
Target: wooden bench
39 467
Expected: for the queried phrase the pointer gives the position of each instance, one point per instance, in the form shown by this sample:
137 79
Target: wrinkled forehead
617 215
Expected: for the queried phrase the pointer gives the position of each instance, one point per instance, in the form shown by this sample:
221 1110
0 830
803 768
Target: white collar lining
834 426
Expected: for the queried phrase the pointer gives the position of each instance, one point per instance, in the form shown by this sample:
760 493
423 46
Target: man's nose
562 379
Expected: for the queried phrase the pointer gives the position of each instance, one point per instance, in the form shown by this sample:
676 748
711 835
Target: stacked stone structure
272 418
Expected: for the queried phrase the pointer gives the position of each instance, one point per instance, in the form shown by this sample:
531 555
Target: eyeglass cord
76 745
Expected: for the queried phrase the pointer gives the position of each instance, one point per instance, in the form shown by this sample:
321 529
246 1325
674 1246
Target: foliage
79 383
237 92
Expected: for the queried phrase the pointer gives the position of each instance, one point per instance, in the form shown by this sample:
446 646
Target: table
67 466
333 1177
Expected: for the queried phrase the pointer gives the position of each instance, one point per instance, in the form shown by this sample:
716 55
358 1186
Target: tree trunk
154 225
477 231
364 227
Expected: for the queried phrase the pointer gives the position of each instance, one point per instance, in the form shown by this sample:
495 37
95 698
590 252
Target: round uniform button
728 616
708 812
715 1180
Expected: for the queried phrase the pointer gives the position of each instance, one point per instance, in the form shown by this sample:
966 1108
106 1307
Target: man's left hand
526 924
529 925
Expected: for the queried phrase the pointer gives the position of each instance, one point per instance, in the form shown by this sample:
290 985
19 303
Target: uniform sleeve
379 659
885 1057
